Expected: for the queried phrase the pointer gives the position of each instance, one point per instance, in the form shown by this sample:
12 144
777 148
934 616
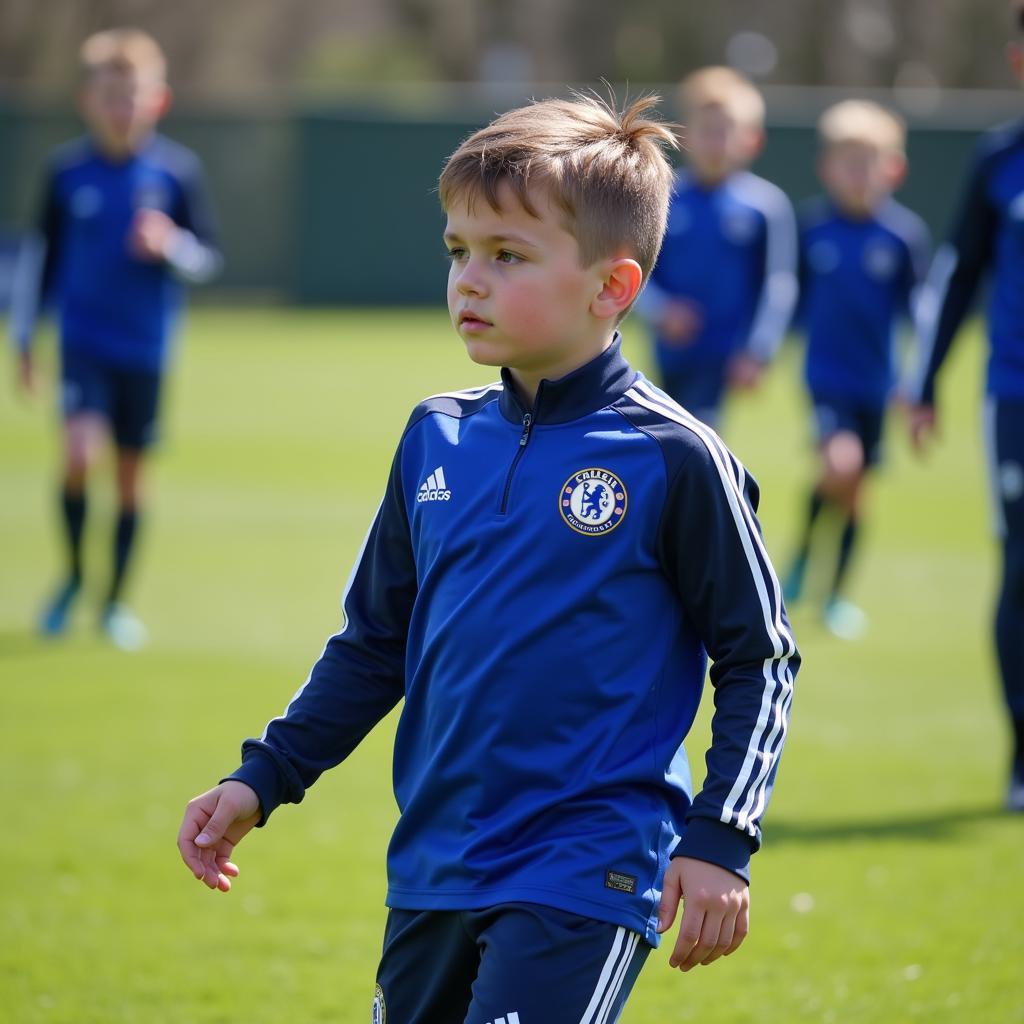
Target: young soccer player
552 557
125 220
722 292
862 257
988 241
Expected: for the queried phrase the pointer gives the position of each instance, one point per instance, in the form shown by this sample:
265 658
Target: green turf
890 888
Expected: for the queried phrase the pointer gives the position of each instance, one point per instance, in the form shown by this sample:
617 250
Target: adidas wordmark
434 487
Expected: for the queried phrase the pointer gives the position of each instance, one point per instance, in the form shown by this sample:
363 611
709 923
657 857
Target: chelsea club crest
592 501
379 1013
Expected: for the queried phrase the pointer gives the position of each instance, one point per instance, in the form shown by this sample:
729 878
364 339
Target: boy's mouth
467 318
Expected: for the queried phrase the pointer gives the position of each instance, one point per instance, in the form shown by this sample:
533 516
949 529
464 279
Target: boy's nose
470 282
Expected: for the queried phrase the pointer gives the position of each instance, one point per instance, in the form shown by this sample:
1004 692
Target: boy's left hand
716 911
152 235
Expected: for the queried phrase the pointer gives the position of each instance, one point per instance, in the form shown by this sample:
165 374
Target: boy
988 239
125 218
722 292
552 556
862 257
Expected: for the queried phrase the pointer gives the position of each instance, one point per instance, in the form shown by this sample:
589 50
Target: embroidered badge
620 882
379 1013
593 501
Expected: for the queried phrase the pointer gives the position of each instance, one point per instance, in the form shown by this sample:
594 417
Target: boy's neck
120 150
527 382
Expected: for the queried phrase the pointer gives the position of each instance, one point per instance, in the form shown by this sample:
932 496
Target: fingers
671 894
713 925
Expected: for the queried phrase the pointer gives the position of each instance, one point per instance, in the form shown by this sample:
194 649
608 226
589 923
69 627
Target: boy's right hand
26 373
923 425
215 823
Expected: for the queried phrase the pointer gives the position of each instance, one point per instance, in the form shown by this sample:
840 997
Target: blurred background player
723 290
125 219
988 240
862 257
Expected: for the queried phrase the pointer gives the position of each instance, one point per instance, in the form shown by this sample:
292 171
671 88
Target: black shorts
834 415
127 399
699 389
515 963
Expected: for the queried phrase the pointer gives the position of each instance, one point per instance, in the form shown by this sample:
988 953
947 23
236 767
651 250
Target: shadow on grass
938 824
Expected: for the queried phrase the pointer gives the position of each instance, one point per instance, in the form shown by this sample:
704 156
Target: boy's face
717 144
517 293
122 107
859 177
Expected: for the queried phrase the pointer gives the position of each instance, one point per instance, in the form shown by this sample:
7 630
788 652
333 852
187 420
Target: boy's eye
504 256
455 253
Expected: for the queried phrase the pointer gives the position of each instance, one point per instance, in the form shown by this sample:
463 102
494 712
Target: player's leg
1008 467
84 399
545 966
427 968
136 400
844 463
826 417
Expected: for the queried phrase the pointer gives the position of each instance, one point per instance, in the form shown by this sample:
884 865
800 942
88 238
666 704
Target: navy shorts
834 415
1004 441
515 963
127 399
698 389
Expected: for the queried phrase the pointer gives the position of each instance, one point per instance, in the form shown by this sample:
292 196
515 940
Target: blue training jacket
114 307
988 236
858 278
730 250
540 587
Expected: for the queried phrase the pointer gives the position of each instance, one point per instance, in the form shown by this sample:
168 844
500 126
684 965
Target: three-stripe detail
746 800
613 974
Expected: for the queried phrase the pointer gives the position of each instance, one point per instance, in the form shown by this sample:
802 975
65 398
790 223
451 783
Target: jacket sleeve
359 677
778 293
952 281
711 546
195 256
35 268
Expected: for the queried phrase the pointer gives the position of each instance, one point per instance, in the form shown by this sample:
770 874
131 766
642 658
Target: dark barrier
331 205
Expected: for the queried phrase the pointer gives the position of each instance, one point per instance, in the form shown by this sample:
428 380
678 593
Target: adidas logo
434 488
511 1018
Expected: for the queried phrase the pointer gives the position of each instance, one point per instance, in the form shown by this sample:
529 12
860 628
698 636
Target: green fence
332 205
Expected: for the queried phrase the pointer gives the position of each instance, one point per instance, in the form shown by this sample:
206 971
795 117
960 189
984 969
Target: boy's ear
623 279
895 170
1015 57
167 101
756 143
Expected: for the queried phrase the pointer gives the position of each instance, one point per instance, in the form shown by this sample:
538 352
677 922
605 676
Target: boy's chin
484 354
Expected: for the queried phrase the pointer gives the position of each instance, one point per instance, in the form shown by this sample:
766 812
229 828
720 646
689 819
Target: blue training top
540 586
857 278
731 251
114 306
988 235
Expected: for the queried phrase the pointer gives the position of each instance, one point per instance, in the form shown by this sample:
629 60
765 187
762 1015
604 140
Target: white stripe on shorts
612 975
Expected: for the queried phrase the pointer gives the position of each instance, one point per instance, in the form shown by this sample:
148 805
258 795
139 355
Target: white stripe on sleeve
771 724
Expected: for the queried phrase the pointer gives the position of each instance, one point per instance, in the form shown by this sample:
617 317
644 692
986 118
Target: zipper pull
525 436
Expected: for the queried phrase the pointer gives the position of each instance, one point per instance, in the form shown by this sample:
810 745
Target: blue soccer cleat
53 621
122 628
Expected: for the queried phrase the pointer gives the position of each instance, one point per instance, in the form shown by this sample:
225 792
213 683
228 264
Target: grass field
890 887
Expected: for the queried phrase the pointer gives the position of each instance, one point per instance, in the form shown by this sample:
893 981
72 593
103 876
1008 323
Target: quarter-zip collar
587 389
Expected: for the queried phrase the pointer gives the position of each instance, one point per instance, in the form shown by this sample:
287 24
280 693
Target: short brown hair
865 122
606 170
123 49
719 86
